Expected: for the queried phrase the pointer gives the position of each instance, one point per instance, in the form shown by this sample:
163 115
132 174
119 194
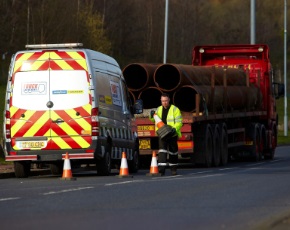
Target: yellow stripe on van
63 64
83 64
81 141
27 65
37 125
19 62
59 141
78 58
15 128
35 65
13 110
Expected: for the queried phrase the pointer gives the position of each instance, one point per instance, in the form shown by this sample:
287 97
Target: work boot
173 171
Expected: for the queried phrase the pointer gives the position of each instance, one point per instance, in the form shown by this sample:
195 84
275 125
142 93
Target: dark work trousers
169 147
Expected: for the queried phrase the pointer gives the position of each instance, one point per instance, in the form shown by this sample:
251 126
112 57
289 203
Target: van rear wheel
56 168
22 169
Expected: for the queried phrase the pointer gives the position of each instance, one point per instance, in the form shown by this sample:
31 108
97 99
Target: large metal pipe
139 75
217 99
169 77
151 97
133 96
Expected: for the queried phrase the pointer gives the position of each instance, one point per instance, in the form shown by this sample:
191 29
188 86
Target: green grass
282 140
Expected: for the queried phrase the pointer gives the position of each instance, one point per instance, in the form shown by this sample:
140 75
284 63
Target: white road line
227 168
66 190
124 182
186 177
166 177
250 165
201 172
9 198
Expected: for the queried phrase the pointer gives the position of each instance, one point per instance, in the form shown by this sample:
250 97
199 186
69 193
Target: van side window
126 99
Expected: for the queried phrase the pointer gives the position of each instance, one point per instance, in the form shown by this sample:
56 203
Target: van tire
134 163
56 168
22 169
104 164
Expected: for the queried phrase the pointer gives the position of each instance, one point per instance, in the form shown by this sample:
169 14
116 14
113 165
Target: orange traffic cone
154 167
67 173
159 123
124 171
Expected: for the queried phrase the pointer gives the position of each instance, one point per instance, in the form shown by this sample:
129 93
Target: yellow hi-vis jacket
174 118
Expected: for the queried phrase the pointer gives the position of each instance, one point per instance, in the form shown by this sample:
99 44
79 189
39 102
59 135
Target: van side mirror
138 107
278 90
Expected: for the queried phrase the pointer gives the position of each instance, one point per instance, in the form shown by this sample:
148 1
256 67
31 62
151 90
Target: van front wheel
134 163
104 164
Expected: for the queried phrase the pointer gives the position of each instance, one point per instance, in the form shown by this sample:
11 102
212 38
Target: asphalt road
243 195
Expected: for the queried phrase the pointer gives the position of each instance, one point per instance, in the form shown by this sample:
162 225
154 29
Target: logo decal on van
33 88
116 94
67 91
105 99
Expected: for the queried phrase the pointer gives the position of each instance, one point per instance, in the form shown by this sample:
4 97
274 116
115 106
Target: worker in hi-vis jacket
171 116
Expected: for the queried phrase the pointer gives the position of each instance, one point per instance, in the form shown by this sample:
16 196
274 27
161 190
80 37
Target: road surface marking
66 190
9 198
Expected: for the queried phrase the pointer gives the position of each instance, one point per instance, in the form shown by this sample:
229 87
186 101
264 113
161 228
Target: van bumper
51 155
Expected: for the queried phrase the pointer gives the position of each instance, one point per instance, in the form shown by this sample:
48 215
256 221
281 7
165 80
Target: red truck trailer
227 98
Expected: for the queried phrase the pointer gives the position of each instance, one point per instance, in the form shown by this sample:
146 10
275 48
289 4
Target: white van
62 98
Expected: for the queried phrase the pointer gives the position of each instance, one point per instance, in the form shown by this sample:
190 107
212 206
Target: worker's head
165 100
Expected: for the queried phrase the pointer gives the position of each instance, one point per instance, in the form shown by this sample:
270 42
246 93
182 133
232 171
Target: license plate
144 144
32 144
249 143
146 128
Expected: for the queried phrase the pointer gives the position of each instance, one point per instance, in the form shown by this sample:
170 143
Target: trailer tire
224 146
22 169
254 134
263 140
104 164
203 145
270 152
216 146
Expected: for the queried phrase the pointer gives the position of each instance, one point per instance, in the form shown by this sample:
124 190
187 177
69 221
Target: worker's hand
173 131
152 112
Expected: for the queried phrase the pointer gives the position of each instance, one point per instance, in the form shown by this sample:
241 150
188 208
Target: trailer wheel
254 134
216 146
134 163
224 146
22 169
263 140
104 164
270 152
203 146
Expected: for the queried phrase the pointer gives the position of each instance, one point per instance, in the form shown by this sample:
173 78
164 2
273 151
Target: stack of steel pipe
221 89
169 77
217 100
139 79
